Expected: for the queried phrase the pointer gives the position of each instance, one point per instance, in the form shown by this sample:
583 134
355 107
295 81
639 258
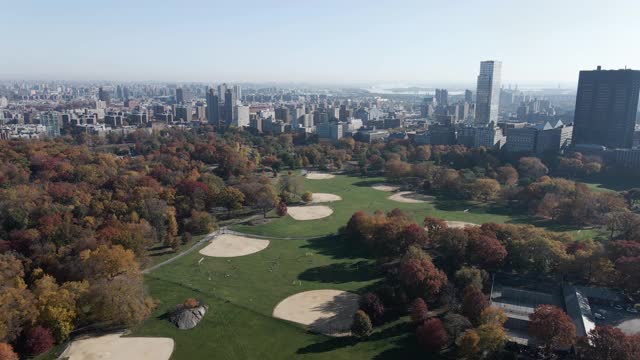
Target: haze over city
434 43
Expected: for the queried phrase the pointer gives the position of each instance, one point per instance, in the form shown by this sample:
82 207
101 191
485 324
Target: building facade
488 92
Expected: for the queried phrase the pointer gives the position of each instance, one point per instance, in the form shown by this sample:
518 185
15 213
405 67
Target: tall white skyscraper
237 90
222 89
488 92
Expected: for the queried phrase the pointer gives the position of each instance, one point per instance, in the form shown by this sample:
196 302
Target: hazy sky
345 41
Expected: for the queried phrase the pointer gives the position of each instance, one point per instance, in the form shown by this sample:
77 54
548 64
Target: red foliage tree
7 353
607 343
281 208
486 251
419 311
431 335
419 275
412 235
473 302
38 340
552 327
371 304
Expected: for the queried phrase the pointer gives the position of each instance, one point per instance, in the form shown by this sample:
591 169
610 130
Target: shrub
307 196
38 340
361 326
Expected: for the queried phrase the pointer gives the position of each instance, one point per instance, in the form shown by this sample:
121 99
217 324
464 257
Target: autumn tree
230 198
484 189
532 167
468 344
419 311
552 327
419 275
7 353
431 335
473 303
38 340
507 175
281 208
56 304
361 326
469 275
370 303
607 343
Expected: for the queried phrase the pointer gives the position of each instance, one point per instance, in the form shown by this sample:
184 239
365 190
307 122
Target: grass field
243 291
357 194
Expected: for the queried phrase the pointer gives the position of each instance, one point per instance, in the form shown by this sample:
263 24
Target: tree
361 326
230 198
38 340
266 199
473 303
434 226
492 338
532 167
419 275
56 304
371 304
108 262
7 353
607 343
431 335
419 311
456 324
552 327
281 209
507 175
468 344
119 301
484 189
469 275
493 316
486 251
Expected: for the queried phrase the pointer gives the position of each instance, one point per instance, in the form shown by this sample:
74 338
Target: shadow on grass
337 247
339 273
384 334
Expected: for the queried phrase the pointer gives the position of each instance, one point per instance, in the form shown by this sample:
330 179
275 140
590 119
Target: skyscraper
468 96
606 105
213 107
179 96
222 90
237 91
103 95
488 92
229 106
442 97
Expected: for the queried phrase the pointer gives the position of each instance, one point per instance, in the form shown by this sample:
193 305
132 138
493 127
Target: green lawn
243 291
357 194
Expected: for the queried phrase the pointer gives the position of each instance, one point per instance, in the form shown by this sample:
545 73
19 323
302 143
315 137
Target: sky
308 41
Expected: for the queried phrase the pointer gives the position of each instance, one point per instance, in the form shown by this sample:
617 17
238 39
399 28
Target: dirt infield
113 346
328 312
319 176
384 187
410 197
227 245
323 197
309 212
459 224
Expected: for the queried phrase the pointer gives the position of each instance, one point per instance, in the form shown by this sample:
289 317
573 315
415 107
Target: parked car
632 310
599 316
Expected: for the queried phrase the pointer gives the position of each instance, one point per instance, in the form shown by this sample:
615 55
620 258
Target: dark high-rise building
442 97
468 96
179 96
229 106
103 95
606 106
213 107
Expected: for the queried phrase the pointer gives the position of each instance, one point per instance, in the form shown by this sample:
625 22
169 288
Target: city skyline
353 43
